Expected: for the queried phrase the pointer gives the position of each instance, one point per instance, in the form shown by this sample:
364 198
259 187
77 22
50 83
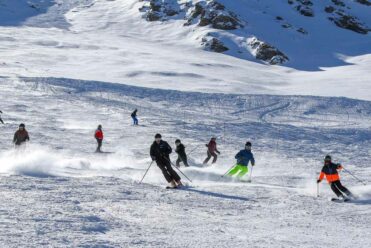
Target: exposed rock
305 10
160 9
279 18
266 52
302 30
365 2
349 22
303 7
215 14
338 3
213 44
329 9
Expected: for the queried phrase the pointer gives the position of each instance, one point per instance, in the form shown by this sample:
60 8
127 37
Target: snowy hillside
112 41
68 65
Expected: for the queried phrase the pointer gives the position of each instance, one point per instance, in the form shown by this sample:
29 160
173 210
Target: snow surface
78 64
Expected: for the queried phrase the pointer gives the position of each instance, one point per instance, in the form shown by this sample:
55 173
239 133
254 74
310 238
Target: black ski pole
359 180
228 171
192 151
178 169
146 172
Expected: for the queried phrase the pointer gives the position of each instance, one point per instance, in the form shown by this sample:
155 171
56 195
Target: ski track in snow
58 193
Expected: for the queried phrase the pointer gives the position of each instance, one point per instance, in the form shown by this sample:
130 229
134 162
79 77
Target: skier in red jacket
99 137
211 151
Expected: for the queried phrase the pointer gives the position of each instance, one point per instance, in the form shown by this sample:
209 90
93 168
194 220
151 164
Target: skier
182 156
21 135
99 137
330 171
134 117
160 151
1 120
243 158
211 151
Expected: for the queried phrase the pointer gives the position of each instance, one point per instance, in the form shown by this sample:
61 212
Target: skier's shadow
218 195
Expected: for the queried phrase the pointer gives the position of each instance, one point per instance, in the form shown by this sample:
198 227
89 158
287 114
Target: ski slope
67 67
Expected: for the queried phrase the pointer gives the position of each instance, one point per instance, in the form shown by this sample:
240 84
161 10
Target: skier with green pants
243 158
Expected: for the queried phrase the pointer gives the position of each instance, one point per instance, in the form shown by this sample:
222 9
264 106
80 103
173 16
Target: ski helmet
99 126
158 136
248 143
177 141
22 125
328 158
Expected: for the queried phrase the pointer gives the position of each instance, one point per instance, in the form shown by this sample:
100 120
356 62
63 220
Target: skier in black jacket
1 120
182 156
160 151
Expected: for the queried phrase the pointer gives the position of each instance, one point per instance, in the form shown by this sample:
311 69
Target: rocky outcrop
213 44
213 13
266 52
303 7
158 10
346 21
364 2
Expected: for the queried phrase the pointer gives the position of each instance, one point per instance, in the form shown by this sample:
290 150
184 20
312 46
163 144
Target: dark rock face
215 14
329 9
160 9
214 44
303 7
364 2
268 53
349 22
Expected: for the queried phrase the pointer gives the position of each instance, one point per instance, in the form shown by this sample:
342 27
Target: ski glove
318 181
218 152
153 158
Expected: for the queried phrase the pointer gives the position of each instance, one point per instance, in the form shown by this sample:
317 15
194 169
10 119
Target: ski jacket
99 134
20 136
180 149
160 152
330 171
134 114
212 147
244 157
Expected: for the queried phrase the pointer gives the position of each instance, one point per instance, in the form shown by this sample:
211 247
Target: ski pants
209 155
339 189
168 171
182 159
99 141
240 170
135 120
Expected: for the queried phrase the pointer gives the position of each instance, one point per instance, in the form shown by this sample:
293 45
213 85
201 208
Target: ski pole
228 171
251 173
146 172
192 151
317 189
359 180
178 169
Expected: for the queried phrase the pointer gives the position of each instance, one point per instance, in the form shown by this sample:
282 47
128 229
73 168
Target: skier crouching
21 136
243 158
160 151
330 171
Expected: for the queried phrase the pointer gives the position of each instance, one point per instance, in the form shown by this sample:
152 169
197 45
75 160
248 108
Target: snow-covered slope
111 41
67 66
58 193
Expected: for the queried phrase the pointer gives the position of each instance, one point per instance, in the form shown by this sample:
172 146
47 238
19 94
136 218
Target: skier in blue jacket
243 158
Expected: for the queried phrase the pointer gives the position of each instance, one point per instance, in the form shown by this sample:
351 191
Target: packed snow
67 66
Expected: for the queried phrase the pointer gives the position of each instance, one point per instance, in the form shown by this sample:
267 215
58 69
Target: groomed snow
78 64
